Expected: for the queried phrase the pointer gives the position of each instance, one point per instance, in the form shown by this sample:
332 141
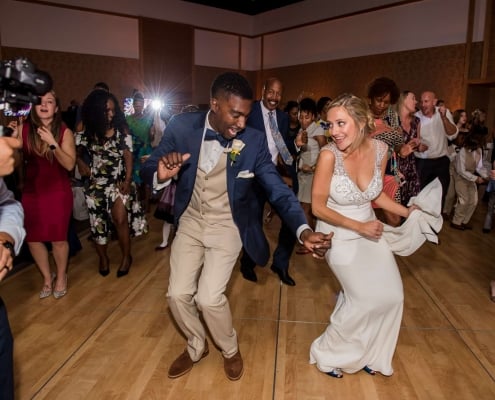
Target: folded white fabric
421 225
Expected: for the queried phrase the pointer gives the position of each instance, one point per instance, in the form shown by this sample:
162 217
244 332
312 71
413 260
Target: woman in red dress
49 154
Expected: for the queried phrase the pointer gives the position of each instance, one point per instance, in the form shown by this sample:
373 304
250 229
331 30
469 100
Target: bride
366 320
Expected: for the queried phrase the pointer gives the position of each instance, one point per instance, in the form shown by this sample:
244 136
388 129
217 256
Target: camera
21 85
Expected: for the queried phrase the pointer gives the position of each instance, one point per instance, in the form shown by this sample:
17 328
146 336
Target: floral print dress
107 173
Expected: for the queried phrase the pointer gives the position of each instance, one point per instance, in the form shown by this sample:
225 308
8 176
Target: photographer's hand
7 161
6 258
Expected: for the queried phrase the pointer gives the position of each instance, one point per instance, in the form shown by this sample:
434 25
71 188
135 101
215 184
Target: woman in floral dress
410 126
111 194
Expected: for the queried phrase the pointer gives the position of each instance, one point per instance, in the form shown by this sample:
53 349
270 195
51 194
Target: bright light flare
157 104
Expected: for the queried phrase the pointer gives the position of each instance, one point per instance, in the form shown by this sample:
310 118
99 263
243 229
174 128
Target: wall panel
167 60
36 26
439 69
74 75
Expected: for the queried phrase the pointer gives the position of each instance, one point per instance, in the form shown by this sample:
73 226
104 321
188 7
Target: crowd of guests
326 167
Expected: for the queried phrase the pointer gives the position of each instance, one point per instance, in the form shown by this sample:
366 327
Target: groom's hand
316 242
169 165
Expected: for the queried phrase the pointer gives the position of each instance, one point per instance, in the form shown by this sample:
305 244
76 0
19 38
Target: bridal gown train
365 323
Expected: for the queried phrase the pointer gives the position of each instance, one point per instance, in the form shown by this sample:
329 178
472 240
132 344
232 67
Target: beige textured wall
74 75
440 69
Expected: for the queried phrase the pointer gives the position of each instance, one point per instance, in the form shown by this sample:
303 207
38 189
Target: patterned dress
407 166
107 173
388 131
141 137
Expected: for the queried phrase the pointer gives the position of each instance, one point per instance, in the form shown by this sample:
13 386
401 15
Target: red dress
46 196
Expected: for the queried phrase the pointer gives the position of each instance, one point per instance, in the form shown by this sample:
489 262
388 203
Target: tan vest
472 159
210 200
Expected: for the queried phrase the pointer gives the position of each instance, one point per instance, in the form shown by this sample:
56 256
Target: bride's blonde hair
358 110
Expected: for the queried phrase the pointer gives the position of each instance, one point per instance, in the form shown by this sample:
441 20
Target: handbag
165 206
79 208
390 187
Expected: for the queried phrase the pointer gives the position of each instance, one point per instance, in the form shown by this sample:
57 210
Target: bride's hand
372 229
411 209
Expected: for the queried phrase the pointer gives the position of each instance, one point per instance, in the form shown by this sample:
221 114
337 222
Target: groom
217 160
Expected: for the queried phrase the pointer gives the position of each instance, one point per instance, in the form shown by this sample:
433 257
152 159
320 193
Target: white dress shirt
434 136
272 147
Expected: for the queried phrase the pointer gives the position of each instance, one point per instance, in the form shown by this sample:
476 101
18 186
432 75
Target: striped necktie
279 140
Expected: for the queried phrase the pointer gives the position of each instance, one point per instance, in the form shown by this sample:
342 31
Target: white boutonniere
237 146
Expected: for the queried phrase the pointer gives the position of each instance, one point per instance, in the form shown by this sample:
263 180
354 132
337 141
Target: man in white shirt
437 127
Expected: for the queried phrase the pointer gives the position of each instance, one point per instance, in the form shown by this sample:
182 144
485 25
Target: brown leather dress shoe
183 364
234 366
456 226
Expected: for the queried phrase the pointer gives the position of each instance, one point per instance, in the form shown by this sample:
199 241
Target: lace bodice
343 191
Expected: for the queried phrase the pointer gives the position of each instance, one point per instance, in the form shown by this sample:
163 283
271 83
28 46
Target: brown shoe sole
236 377
205 353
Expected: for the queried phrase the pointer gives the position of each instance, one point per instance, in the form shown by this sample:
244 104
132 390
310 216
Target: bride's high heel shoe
369 370
335 373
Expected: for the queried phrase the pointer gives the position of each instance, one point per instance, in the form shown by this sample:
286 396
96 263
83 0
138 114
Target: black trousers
6 356
431 168
286 239
281 256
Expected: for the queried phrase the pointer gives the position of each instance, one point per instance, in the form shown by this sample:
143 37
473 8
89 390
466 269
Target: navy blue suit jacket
184 135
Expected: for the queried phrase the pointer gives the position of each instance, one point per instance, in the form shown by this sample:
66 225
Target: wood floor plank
436 359
135 349
114 338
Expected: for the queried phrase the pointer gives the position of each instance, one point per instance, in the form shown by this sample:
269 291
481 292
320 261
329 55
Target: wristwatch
10 247
52 147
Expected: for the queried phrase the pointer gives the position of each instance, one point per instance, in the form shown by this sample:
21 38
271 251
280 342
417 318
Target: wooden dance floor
114 338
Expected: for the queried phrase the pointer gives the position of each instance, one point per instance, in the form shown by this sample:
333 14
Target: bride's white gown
365 323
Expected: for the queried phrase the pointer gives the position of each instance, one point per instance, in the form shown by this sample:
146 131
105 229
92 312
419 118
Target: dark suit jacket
184 135
256 121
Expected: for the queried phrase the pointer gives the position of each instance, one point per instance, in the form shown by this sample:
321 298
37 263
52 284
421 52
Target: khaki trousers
201 262
467 200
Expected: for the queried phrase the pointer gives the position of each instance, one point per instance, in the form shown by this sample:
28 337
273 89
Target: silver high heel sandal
61 293
46 291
